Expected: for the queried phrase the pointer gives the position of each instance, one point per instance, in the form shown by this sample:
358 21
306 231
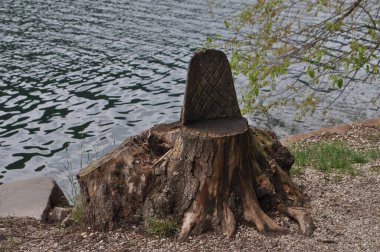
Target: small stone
58 214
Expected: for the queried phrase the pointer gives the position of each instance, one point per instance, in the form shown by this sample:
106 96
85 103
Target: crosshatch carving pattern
210 91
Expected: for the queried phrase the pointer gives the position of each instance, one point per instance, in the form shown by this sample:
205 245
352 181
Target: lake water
78 77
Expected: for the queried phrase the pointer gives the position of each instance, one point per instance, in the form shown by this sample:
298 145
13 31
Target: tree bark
215 174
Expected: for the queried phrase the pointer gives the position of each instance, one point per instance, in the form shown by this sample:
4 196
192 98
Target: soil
345 210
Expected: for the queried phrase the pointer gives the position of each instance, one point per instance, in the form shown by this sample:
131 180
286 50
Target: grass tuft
78 210
330 156
161 227
74 196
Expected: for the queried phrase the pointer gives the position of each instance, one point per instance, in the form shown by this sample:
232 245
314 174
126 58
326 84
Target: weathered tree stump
208 171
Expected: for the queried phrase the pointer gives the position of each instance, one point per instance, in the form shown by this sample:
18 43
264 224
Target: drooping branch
268 47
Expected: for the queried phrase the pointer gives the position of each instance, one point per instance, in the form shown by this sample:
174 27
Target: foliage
161 227
290 62
331 156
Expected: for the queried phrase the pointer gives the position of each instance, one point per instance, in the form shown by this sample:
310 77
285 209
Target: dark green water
77 77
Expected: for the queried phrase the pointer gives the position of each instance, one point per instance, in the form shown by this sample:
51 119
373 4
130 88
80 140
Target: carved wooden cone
210 91
209 171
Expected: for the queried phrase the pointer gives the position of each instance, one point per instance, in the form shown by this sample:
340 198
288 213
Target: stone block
31 198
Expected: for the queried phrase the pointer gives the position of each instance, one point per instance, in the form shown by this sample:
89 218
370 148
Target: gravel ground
345 210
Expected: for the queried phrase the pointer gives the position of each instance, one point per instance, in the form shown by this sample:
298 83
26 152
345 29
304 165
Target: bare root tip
228 222
302 216
189 221
275 229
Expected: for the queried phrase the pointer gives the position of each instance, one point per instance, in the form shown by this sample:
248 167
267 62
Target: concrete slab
30 198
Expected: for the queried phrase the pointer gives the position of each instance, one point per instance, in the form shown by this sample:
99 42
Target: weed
161 227
337 178
373 154
296 170
8 243
74 196
376 168
374 136
78 210
330 156
14 241
301 159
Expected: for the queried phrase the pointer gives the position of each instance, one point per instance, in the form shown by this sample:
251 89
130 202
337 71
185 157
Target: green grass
330 156
373 154
78 210
74 196
161 227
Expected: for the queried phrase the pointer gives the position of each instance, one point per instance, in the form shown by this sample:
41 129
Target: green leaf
263 49
226 24
340 83
310 72
375 69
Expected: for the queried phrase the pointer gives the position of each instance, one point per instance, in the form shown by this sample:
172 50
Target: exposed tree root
303 218
216 175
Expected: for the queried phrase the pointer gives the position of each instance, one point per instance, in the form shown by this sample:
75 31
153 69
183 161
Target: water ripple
77 77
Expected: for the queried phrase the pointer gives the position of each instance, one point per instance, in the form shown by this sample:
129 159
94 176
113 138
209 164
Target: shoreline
338 129
342 206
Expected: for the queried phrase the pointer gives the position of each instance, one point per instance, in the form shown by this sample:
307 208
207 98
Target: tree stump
209 171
